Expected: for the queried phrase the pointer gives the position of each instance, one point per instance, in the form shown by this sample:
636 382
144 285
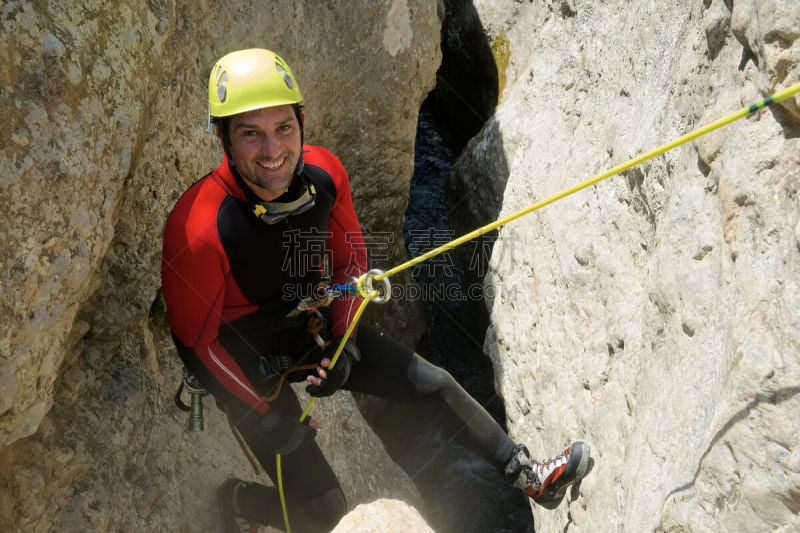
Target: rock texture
104 118
383 516
655 314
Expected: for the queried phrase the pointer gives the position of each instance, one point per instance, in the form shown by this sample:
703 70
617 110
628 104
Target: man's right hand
286 433
329 380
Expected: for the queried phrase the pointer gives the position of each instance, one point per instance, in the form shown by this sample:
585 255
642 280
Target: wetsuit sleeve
193 278
346 243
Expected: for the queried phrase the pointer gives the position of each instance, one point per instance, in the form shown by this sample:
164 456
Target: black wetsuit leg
388 369
314 498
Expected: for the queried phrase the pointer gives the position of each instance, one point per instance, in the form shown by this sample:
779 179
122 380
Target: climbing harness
367 297
323 296
275 367
325 292
366 284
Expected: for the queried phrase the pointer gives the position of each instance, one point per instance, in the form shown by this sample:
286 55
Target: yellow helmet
250 79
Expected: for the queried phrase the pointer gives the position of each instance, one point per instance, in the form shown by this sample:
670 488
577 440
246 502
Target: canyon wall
105 110
656 313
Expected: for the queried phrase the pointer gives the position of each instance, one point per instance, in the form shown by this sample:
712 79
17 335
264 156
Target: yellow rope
369 296
752 108
367 299
280 492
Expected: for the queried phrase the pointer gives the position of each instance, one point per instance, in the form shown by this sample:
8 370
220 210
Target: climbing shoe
546 482
230 519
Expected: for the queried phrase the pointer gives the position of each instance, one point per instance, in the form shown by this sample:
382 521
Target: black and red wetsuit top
229 278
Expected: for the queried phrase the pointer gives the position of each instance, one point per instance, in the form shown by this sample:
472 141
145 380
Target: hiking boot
231 520
546 482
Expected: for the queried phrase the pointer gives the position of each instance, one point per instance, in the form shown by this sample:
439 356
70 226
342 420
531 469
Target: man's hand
329 380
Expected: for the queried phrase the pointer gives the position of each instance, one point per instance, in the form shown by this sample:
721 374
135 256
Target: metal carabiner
365 287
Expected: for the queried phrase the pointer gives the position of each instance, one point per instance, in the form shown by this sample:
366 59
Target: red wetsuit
228 278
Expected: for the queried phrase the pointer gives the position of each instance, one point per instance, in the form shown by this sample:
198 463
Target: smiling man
264 143
248 249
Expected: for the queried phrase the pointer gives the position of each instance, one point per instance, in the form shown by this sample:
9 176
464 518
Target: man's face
265 146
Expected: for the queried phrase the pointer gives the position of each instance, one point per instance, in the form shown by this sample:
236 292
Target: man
263 232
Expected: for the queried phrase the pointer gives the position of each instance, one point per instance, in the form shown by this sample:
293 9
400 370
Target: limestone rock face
655 314
104 112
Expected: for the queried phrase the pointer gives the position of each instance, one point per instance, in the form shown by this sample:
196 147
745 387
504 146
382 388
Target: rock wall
392 515
655 314
104 115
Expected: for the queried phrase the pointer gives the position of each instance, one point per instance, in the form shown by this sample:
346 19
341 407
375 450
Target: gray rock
382 515
104 113
656 313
